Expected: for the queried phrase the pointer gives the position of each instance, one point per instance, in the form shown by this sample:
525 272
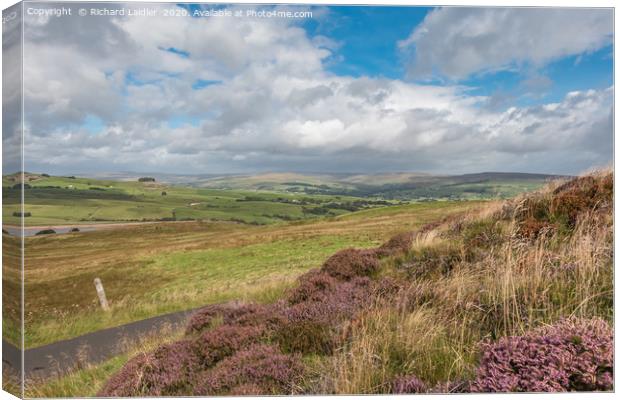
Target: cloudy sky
352 89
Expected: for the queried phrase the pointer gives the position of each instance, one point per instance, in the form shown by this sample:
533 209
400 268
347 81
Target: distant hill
391 186
387 185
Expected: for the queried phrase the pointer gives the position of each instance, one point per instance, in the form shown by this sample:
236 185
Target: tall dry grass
434 328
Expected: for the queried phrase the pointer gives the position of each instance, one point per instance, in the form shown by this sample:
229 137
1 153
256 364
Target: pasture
68 200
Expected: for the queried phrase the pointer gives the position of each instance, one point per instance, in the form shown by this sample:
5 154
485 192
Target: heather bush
168 371
573 355
532 228
312 326
232 313
207 317
306 336
128 381
219 343
313 286
248 389
562 208
482 234
398 244
408 384
535 207
261 369
386 288
567 207
350 263
268 316
580 194
598 188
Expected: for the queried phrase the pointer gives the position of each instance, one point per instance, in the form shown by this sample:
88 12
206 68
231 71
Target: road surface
58 358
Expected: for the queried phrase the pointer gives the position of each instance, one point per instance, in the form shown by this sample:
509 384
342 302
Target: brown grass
519 282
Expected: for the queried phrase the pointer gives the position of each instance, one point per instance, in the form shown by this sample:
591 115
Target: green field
261 199
67 200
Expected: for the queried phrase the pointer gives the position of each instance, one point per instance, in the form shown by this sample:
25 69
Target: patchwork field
69 200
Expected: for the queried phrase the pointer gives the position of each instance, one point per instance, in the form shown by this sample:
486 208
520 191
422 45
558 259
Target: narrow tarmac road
58 358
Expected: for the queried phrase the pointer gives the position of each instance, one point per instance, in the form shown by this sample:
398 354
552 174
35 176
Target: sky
351 89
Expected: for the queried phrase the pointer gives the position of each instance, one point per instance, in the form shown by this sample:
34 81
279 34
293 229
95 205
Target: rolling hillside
401 186
257 199
51 200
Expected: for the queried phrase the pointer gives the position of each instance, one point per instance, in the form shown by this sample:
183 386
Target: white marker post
101 294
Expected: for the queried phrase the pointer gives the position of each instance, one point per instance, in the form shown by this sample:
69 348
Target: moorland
166 246
516 296
251 239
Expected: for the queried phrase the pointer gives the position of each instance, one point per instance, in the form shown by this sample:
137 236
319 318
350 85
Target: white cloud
456 42
11 92
275 107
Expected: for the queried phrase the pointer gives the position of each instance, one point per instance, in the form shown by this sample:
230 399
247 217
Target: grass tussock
505 272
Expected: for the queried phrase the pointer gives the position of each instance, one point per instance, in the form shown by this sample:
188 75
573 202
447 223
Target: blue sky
353 88
369 37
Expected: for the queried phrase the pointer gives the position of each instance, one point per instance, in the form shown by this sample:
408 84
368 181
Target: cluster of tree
300 202
322 210
146 179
